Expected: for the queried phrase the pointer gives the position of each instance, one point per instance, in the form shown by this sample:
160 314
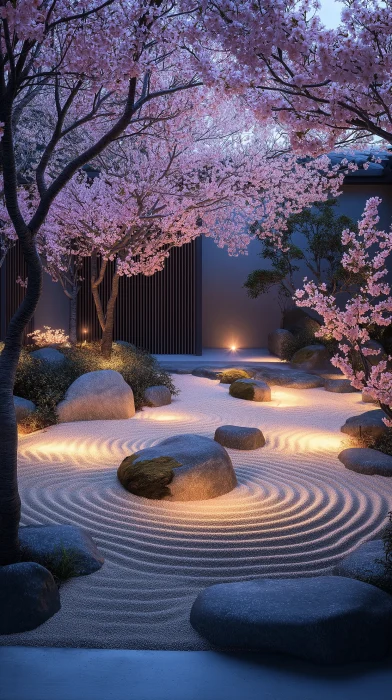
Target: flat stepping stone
367 425
324 619
290 378
207 372
364 460
157 396
250 390
366 563
181 468
239 438
50 543
339 386
28 597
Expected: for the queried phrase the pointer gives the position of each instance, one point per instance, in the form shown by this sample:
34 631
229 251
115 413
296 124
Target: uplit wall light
233 348
85 331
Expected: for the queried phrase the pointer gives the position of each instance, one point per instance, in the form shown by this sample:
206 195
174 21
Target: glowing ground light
233 348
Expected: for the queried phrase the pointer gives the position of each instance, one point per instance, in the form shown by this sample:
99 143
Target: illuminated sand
296 511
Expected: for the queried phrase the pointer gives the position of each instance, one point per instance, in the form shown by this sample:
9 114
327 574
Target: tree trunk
9 358
73 313
107 334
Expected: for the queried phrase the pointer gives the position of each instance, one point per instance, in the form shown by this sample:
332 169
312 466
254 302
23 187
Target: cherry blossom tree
325 86
104 69
368 308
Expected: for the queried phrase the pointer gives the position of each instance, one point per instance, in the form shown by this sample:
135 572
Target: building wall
229 315
53 306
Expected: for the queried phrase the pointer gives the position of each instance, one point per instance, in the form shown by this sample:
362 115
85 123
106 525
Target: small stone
365 460
239 438
48 355
311 357
280 341
157 396
339 386
250 390
367 425
181 468
49 543
28 597
368 398
23 408
207 372
324 619
100 395
366 563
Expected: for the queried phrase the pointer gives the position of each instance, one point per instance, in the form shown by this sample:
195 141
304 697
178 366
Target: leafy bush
45 383
383 443
229 376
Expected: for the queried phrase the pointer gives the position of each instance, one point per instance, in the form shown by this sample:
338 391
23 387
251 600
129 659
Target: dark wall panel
161 313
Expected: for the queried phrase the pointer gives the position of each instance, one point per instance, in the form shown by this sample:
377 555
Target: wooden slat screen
11 293
161 313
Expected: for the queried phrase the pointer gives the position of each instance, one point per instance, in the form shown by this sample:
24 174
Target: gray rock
325 619
339 386
100 395
366 564
47 543
28 597
196 468
239 438
298 321
311 357
367 425
290 378
364 460
125 344
207 372
48 355
279 341
250 390
157 396
367 398
375 345
23 408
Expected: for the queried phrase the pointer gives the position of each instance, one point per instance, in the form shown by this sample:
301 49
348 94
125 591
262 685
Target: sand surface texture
296 511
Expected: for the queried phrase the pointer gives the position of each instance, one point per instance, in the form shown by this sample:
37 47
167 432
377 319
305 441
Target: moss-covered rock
231 375
311 357
250 390
149 478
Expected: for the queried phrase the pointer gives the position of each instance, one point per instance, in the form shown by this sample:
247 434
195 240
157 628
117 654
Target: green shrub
383 443
45 383
229 376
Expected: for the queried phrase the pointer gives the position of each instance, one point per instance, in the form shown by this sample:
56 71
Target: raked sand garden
297 511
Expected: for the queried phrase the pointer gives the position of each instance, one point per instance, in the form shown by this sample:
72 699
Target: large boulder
311 357
49 355
181 468
280 341
49 544
23 408
367 397
100 395
239 438
339 386
28 597
290 378
325 619
364 460
157 396
297 321
250 390
369 425
366 564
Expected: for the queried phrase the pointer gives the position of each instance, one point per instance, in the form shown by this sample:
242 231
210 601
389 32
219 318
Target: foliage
49 336
368 308
321 252
149 478
383 443
45 383
62 562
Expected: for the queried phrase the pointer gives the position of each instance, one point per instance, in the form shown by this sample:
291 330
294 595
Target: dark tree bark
106 318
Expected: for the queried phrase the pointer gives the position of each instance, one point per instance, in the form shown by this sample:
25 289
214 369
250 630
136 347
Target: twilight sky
330 12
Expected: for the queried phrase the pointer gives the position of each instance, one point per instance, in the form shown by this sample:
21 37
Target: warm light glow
156 415
233 348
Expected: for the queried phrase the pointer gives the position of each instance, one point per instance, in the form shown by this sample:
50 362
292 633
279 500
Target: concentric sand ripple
296 511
